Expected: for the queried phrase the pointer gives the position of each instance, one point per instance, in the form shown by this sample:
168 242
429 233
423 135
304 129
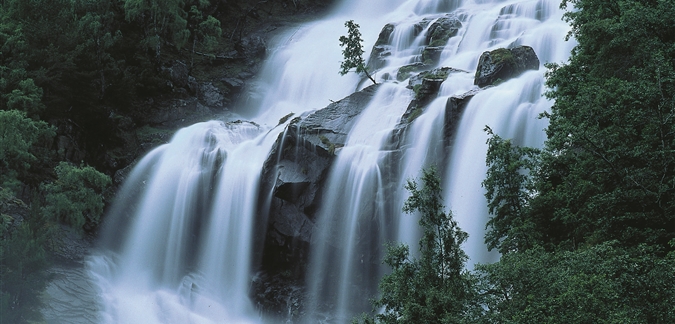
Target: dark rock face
385 34
294 175
252 47
211 95
426 86
178 74
503 64
454 108
381 49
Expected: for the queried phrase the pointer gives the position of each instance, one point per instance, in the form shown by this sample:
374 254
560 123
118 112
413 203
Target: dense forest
585 226
76 77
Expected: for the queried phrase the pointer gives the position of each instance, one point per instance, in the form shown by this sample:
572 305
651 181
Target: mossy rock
442 30
500 65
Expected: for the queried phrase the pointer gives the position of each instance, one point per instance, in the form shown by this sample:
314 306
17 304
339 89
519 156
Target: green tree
162 21
76 196
205 30
435 287
19 140
27 97
509 187
610 166
353 51
605 283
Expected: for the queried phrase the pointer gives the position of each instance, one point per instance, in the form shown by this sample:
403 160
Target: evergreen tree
435 287
76 197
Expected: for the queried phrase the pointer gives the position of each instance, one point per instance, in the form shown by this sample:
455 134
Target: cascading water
352 224
187 213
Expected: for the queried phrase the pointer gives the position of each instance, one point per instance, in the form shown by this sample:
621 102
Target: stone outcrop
381 49
442 29
439 31
503 64
426 86
294 175
454 108
211 95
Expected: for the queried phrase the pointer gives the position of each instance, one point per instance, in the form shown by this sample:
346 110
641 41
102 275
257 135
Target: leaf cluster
353 51
76 197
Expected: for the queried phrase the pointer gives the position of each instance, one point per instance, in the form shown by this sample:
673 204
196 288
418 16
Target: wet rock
426 86
442 30
279 297
385 35
378 57
502 64
329 127
233 83
431 55
70 296
381 49
295 173
407 71
454 108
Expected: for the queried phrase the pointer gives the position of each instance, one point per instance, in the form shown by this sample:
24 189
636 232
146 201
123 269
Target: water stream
180 240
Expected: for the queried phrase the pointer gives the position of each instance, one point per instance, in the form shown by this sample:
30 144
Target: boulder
378 57
503 64
385 35
431 55
442 29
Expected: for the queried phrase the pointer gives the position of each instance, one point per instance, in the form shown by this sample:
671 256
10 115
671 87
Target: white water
352 222
186 227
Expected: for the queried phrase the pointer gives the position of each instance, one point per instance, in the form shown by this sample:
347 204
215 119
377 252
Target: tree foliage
19 140
353 51
76 197
604 283
608 169
435 287
586 226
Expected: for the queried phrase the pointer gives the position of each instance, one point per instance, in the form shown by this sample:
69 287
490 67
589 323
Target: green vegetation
353 51
71 72
76 197
20 138
502 55
435 287
585 225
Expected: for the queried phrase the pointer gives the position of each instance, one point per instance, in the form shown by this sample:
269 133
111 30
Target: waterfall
179 242
352 221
